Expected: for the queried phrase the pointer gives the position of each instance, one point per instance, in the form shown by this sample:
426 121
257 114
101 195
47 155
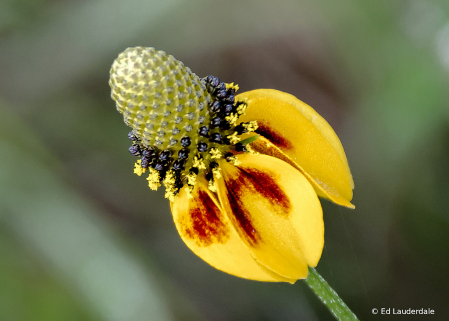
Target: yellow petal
207 231
275 211
300 133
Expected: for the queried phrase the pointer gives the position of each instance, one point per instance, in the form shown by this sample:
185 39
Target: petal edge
205 229
297 130
276 213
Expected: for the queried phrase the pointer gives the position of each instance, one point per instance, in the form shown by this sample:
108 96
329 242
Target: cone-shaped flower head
247 206
181 124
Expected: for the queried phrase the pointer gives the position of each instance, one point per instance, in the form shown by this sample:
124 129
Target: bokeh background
82 238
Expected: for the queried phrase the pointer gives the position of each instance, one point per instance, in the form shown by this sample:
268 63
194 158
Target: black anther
230 98
148 152
240 129
221 93
131 136
183 153
228 156
203 131
163 156
215 107
215 122
185 141
228 109
135 150
144 162
215 81
240 147
209 176
159 166
178 165
216 138
202 147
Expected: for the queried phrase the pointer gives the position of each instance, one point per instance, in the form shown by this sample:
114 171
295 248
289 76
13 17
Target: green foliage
83 238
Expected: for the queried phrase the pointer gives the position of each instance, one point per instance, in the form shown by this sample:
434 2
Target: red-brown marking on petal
251 181
266 131
206 226
240 212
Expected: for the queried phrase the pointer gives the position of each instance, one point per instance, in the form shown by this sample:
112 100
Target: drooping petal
300 133
207 231
265 147
275 211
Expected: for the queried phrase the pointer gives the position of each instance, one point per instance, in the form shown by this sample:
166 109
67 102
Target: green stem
328 296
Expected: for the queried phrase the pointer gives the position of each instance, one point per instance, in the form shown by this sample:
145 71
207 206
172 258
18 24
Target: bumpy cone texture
160 98
181 124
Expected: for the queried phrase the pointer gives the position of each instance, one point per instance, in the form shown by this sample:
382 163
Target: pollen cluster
181 124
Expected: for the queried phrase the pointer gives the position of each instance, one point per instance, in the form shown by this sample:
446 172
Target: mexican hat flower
242 172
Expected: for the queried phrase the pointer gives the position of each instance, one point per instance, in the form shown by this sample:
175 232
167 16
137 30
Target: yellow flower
250 210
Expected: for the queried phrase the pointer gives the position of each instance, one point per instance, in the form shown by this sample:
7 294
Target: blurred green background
82 238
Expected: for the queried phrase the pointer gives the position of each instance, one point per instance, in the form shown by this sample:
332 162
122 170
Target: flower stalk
329 297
